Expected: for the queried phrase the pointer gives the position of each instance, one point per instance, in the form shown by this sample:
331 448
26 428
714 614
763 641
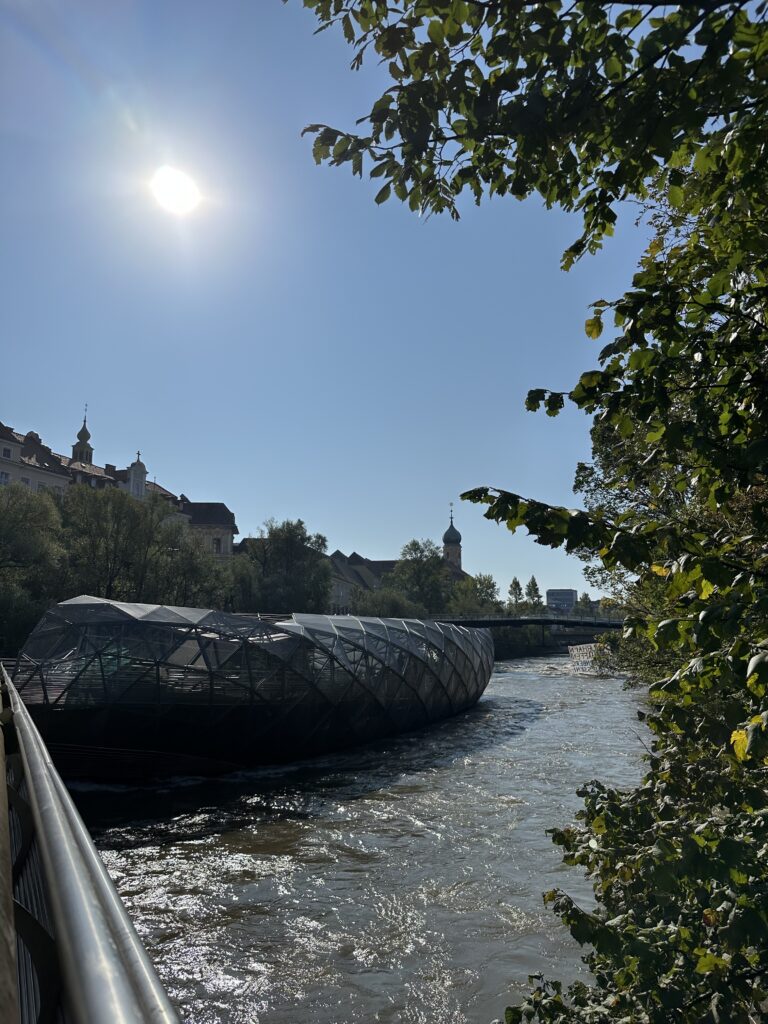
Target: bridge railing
576 616
77 947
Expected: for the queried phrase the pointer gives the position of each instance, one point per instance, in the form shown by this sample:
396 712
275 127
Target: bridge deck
496 621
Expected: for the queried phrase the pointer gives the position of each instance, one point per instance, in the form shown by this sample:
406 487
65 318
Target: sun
175 191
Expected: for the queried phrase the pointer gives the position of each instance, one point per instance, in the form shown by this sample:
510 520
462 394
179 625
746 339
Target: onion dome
84 434
451 535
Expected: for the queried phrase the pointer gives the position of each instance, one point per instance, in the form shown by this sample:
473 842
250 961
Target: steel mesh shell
151 689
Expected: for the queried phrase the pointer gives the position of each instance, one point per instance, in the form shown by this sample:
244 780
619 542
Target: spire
451 535
84 434
82 450
452 546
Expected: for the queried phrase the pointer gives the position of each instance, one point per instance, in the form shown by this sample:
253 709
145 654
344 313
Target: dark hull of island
125 691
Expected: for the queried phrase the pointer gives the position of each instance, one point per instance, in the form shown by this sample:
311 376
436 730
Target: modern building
146 690
25 460
562 600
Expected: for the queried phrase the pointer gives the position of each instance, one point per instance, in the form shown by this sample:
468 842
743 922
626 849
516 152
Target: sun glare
175 191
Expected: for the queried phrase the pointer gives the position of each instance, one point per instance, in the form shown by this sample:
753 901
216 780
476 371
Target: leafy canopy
284 569
588 104
420 575
475 595
582 103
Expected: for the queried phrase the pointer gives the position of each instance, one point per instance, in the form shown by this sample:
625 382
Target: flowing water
401 882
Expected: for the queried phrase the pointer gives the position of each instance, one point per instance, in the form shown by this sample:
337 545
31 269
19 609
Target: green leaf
708 962
534 399
740 742
704 160
614 69
436 32
594 327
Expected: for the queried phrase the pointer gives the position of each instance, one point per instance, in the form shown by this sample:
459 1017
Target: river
401 882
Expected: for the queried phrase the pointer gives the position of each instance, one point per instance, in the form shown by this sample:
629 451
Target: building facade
25 460
562 600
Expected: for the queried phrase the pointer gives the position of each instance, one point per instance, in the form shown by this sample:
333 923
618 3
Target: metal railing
88 964
542 617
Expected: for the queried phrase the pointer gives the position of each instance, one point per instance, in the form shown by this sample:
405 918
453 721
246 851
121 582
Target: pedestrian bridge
578 620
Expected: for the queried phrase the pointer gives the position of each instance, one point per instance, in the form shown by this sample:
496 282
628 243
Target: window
25 481
5 478
217 545
6 453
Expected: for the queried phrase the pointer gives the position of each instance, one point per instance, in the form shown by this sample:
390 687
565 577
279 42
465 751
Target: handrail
537 618
9 995
107 977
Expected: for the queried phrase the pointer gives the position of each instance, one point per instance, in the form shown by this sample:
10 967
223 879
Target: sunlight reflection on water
400 882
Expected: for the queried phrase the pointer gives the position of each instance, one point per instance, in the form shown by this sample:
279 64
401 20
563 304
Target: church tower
82 450
452 545
137 478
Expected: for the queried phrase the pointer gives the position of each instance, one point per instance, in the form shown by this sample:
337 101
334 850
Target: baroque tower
82 450
452 545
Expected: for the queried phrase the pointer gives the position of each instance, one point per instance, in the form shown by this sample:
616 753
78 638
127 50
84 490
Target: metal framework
240 689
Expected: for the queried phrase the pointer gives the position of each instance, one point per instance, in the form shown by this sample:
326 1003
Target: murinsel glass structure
122 690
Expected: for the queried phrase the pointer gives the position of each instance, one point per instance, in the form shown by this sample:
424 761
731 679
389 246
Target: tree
284 569
475 595
582 103
420 575
584 602
686 936
487 590
515 594
30 529
606 494
588 104
123 549
181 571
386 603
100 534
533 594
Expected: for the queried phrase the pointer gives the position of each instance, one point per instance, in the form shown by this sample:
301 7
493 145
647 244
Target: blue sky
291 348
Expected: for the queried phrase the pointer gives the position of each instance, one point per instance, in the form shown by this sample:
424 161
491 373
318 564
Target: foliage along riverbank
593 105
